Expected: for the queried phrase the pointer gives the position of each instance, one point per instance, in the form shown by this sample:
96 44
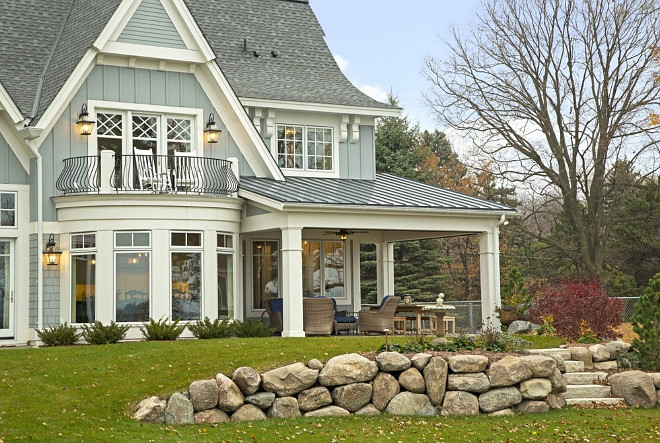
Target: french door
6 288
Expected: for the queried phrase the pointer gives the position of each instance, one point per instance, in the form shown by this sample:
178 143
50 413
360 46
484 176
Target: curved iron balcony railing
155 174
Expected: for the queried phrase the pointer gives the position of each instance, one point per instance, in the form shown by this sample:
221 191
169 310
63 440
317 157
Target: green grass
85 393
543 341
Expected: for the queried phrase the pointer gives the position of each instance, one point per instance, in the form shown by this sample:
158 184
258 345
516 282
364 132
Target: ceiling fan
343 233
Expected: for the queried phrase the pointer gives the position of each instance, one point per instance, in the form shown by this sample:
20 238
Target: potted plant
516 300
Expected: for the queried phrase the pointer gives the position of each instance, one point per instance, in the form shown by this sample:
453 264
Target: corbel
270 123
161 65
343 128
355 128
256 114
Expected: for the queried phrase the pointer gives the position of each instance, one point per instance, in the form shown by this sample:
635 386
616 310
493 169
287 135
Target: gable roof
304 70
386 192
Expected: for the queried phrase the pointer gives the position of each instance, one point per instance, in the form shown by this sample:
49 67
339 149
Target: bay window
132 276
305 147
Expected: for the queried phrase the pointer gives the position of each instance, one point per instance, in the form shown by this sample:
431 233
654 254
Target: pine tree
646 324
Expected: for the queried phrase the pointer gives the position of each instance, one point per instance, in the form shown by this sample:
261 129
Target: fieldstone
409 403
656 379
574 365
211 416
230 397
419 361
315 364
262 400
508 372
470 382
289 380
352 397
385 387
468 363
392 362
635 387
606 365
328 411
599 353
179 410
557 382
540 365
368 410
435 376
412 380
617 348
460 403
247 379
555 401
346 369
532 407
203 394
314 398
503 413
561 363
552 352
150 410
284 407
582 354
519 327
501 398
248 413
535 388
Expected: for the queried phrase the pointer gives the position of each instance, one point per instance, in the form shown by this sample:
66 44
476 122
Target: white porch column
292 292
489 261
385 269
356 293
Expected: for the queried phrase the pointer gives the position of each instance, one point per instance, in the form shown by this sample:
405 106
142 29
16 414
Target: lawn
84 393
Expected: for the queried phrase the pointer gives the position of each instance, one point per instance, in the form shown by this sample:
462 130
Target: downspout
40 232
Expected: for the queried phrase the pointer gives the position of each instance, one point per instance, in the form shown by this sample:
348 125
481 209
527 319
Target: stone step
584 378
598 401
587 391
552 352
574 366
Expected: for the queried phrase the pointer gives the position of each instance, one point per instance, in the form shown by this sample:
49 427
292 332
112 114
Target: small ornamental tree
646 323
578 306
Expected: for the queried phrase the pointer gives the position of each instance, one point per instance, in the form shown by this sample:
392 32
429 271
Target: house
193 158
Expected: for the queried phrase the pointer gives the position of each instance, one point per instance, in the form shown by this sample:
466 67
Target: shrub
99 334
216 329
253 328
61 335
577 304
161 329
514 293
646 323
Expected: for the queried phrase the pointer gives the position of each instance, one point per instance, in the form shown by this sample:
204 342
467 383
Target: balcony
108 173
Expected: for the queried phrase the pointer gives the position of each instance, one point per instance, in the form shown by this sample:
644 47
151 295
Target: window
83 278
323 268
265 272
225 254
186 275
305 147
7 209
132 276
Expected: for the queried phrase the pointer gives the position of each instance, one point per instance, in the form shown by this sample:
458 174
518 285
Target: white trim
305 171
7 104
202 274
118 251
16 143
153 52
320 107
10 330
117 22
15 209
187 27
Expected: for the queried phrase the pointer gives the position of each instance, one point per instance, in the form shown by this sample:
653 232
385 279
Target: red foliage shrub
577 306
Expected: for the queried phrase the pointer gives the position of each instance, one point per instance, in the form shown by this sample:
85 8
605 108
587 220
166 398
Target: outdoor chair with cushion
344 320
318 316
383 318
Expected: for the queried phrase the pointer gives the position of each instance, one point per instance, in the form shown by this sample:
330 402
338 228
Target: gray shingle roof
386 191
304 71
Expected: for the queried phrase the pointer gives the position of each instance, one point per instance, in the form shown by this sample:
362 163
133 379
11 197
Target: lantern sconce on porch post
212 132
51 252
85 123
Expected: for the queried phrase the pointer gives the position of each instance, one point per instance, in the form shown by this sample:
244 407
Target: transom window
186 239
305 147
132 239
7 209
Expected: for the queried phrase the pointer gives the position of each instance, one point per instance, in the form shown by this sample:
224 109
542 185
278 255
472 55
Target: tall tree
555 91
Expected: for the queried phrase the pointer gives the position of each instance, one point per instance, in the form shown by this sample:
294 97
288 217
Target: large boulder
540 365
212 416
315 364
502 413
352 397
617 348
420 360
508 372
262 400
460 403
247 379
555 401
520 327
656 379
346 369
150 410
203 394
284 407
635 387
535 388
599 353
412 380
468 363
392 362
532 407
501 398
557 382
289 380
582 354
314 398
471 382
328 411
248 413
179 410
385 387
230 397
409 403
435 377
368 410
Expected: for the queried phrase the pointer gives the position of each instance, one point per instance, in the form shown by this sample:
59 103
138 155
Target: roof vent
245 50
274 53
256 53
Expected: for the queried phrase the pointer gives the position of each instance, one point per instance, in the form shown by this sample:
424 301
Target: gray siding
111 83
11 170
51 299
358 160
150 25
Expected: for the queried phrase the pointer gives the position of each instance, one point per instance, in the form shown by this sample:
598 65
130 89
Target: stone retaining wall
422 385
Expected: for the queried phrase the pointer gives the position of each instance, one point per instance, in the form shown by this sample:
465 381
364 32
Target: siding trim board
151 25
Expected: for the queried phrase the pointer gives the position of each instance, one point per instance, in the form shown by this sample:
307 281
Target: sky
381 45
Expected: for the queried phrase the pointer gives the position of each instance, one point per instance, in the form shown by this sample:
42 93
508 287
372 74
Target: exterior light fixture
51 252
343 235
212 132
85 123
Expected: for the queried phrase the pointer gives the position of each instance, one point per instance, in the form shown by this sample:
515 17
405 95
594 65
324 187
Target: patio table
412 308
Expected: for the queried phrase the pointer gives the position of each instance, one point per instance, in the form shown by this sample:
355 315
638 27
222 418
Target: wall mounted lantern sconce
212 132
51 252
85 123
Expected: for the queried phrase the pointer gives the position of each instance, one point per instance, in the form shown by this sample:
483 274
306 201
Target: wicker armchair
383 318
318 316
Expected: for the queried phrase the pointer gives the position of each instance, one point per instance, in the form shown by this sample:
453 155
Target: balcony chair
147 173
318 316
187 172
383 318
